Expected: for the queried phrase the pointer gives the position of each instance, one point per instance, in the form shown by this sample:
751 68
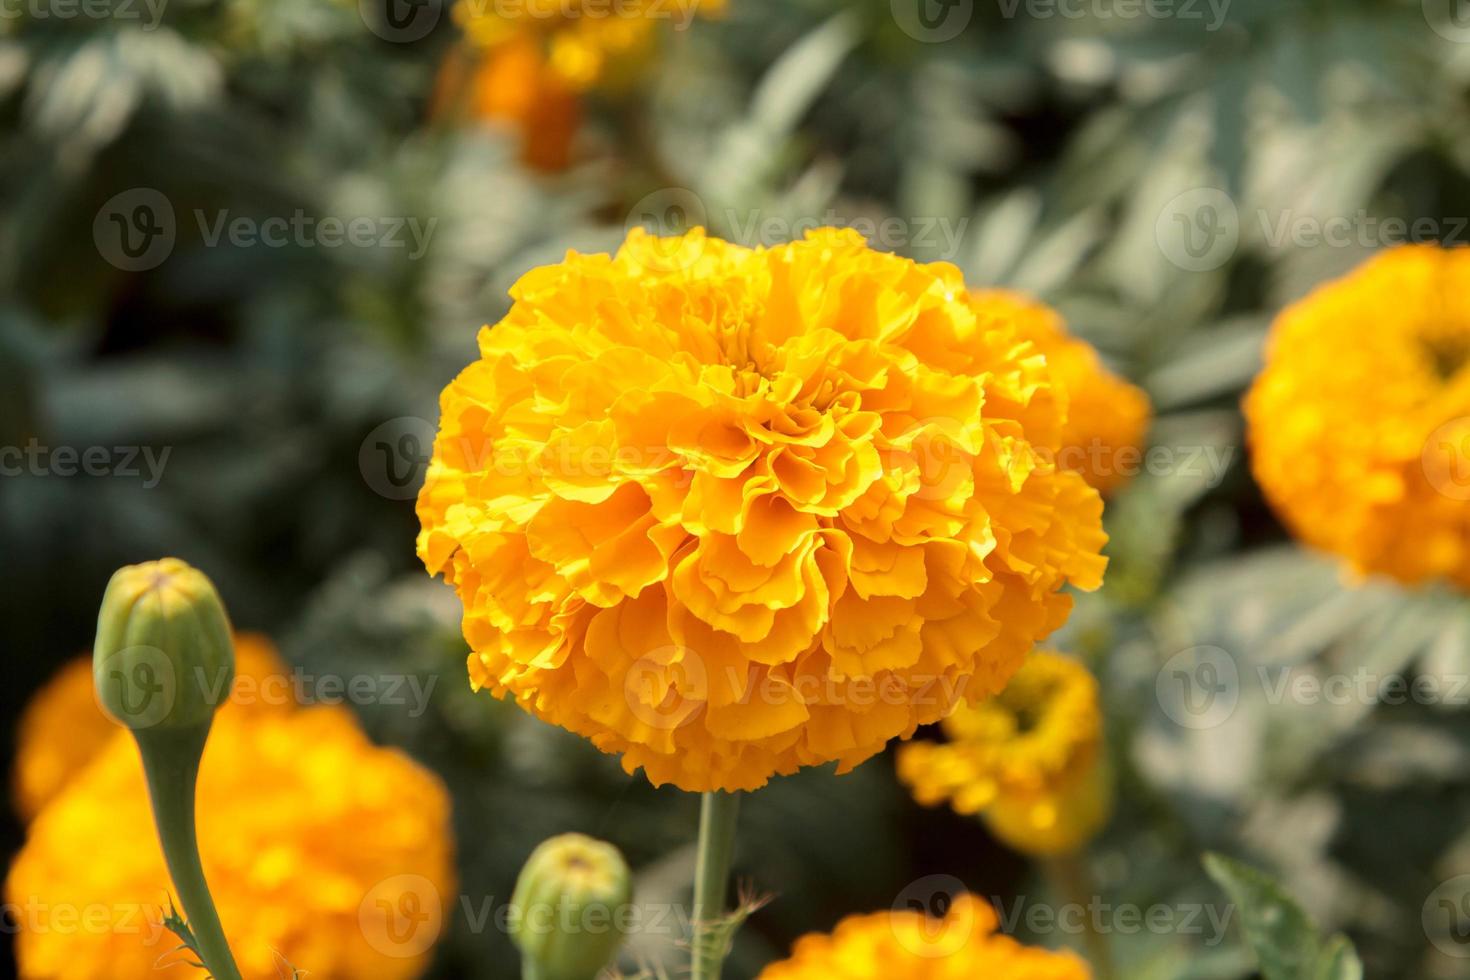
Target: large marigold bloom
731 512
1360 422
1029 761
1107 417
63 728
308 833
907 945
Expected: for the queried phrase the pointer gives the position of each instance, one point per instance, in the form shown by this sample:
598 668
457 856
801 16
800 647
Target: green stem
171 761
1070 876
717 815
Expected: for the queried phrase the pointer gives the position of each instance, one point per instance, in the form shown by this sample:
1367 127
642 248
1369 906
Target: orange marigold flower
906 945
1029 761
513 86
1107 417
63 727
587 42
1359 424
307 844
730 512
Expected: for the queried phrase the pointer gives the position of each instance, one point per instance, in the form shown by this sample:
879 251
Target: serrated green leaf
1285 939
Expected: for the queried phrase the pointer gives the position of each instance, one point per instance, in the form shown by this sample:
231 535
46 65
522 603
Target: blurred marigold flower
513 86
587 43
1029 761
1107 417
911 945
731 512
63 728
306 829
1359 424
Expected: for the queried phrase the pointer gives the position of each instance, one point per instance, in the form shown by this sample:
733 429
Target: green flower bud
568 904
164 656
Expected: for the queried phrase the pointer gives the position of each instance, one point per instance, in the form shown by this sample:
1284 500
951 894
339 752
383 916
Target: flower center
1448 352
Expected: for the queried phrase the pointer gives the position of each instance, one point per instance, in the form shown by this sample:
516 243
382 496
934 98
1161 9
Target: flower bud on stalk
163 661
567 899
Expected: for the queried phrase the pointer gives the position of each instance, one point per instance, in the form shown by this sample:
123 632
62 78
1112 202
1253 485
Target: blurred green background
1154 174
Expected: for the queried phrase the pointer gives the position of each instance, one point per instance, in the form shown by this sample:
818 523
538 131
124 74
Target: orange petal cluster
1359 424
731 512
961 945
1107 417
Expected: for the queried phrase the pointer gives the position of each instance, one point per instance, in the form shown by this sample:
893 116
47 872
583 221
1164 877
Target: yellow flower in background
311 837
63 728
907 945
1359 423
587 42
1107 417
1029 761
730 512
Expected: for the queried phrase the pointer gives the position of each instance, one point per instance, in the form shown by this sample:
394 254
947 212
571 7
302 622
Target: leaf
1285 940
1339 961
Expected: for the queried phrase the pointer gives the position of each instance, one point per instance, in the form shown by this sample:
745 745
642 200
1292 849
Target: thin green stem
171 761
717 817
1071 877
